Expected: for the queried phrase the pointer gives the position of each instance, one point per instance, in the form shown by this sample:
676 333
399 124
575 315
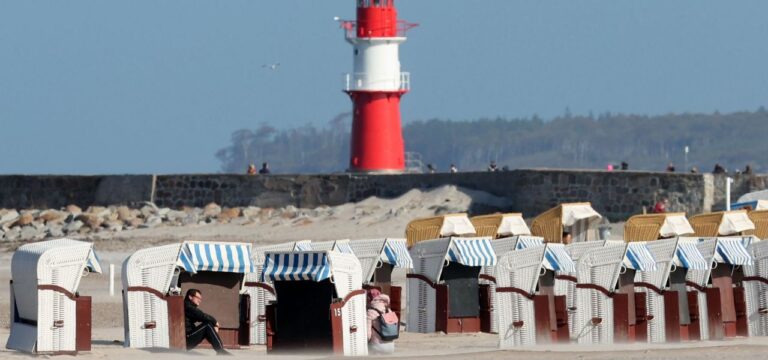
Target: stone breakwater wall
617 194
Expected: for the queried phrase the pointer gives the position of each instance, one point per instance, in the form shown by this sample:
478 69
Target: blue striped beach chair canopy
639 258
556 257
216 256
752 205
395 252
296 266
731 250
471 251
687 255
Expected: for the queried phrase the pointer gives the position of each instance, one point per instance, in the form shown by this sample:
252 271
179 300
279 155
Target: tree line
577 142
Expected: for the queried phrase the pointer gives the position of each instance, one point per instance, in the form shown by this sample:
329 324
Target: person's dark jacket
193 315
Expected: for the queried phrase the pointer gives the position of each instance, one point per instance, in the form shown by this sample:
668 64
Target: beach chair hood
513 225
675 225
573 213
735 222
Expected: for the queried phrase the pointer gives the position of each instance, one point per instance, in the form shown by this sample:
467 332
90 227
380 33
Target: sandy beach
371 218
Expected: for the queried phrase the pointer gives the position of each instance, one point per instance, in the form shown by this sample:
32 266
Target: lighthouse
376 86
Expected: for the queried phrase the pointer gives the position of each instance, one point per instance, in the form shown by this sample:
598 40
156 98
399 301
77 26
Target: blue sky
101 87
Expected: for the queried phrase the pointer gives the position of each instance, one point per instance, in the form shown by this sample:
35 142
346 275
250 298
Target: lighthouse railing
350 28
363 81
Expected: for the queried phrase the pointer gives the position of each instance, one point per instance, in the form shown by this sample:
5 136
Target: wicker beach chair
649 227
573 217
500 225
760 219
722 223
437 227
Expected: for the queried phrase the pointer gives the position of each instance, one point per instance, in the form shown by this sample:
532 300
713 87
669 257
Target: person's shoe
223 352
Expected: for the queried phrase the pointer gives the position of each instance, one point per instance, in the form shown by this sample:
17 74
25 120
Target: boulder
73 209
113 225
191 219
151 222
55 231
30 233
52 216
212 209
93 221
124 213
13 234
251 211
73 226
229 214
147 210
134 223
8 215
23 220
176 216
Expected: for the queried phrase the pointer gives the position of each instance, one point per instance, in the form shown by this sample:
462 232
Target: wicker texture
663 252
59 262
599 267
519 269
760 219
706 224
501 247
549 225
423 229
756 292
568 288
487 225
643 227
153 268
428 260
701 278
347 277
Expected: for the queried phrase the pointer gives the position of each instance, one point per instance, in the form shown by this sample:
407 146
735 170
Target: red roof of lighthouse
376 18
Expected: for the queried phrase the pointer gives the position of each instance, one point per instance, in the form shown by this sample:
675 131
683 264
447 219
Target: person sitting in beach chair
199 325
380 340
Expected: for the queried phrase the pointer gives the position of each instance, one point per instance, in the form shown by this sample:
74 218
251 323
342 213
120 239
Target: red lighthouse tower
376 86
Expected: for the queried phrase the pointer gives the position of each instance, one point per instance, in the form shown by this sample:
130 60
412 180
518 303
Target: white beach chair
378 259
154 281
438 265
48 315
517 274
309 286
756 287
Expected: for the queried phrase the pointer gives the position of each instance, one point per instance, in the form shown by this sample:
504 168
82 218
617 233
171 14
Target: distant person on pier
624 165
694 170
454 169
251 170
719 169
492 167
670 167
748 170
661 206
264 168
431 168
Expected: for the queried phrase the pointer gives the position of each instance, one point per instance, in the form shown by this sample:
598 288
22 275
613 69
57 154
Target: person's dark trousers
207 332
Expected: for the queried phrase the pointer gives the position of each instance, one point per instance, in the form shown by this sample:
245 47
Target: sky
115 87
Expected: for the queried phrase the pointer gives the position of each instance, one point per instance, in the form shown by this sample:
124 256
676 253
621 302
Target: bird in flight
271 66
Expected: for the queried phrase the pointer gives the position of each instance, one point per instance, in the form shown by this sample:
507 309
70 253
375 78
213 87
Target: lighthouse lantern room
376 86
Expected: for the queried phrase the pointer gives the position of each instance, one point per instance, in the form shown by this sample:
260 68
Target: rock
96 210
93 221
13 234
8 215
147 211
29 232
113 225
124 213
73 226
73 209
2 234
134 223
212 209
163 211
23 220
52 216
251 211
176 216
55 231
191 219
229 214
151 222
